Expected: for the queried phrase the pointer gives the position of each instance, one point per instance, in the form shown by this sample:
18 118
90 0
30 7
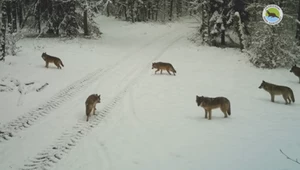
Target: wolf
163 66
90 104
209 103
273 89
296 71
51 59
271 14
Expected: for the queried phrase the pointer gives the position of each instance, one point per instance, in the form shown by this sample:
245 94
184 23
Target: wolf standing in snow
51 59
163 66
209 103
296 71
273 89
90 104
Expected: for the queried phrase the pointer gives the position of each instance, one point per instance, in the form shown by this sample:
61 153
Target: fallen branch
287 157
41 88
5 88
29 83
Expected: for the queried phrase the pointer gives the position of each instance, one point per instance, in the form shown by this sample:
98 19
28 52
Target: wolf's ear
263 81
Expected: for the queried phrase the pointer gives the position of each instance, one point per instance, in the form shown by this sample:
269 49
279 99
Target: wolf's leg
289 99
156 71
209 116
160 71
47 63
299 79
272 97
285 98
87 117
224 110
205 114
95 110
169 72
57 65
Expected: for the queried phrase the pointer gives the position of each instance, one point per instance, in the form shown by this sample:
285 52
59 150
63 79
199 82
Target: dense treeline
239 22
222 23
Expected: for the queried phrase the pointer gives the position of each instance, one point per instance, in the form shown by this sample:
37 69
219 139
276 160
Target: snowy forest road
67 107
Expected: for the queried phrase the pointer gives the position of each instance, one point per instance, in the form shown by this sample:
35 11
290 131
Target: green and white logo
272 14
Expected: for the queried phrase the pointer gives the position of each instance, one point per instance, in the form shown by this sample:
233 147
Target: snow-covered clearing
144 121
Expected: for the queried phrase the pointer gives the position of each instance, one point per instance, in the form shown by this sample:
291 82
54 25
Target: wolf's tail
88 110
292 96
229 108
62 63
173 69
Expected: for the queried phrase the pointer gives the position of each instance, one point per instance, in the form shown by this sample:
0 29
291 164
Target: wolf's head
98 98
263 84
44 55
154 65
199 99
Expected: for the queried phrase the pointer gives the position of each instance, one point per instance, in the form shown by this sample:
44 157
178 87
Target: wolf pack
207 103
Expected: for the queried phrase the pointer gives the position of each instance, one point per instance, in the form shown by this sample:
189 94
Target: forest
222 23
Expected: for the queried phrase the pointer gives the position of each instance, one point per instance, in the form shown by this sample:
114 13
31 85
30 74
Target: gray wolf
160 66
90 104
273 89
51 59
210 103
296 71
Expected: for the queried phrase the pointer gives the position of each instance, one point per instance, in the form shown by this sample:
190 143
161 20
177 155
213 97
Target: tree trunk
20 12
8 14
164 10
132 11
108 9
255 10
3 31
72 27
171 10
179 8
14 16
125 13
224 24
205 27
38 15
237 21
298 24
85 21
156 9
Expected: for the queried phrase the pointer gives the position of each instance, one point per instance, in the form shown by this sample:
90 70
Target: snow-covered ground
144 121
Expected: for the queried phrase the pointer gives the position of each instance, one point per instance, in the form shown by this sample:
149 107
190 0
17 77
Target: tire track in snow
8 130
52 155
